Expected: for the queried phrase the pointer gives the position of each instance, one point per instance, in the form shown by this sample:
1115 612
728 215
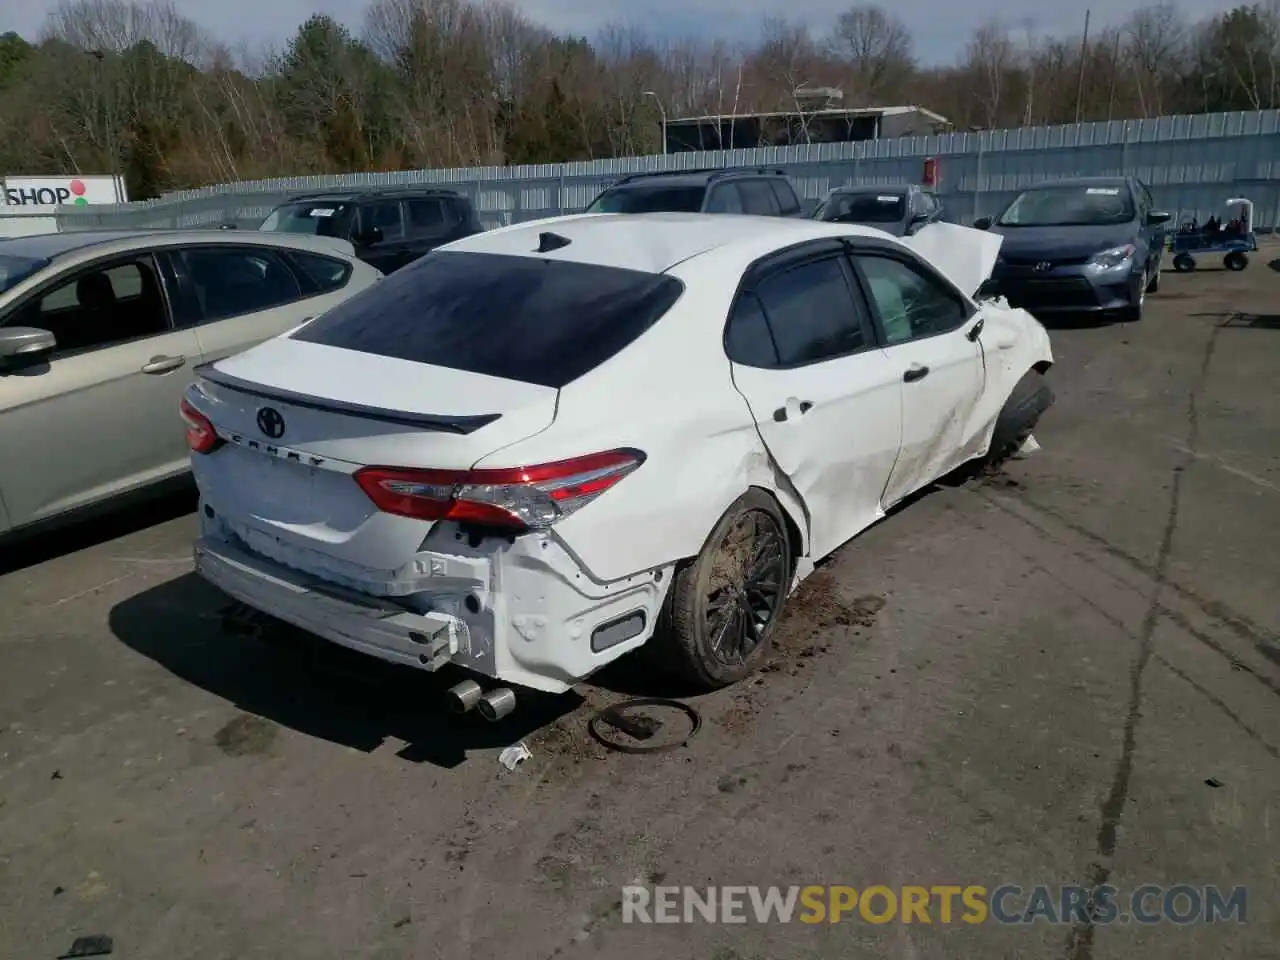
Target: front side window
384 216
538 321
325 273
230 281
911 305
101 308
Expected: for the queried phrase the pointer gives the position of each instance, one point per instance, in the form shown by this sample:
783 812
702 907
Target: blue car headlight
1116 258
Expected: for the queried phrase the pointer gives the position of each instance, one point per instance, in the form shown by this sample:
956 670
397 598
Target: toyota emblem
271 423
1043 265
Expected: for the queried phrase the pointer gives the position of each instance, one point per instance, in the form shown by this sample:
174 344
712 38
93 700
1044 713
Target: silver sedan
99 332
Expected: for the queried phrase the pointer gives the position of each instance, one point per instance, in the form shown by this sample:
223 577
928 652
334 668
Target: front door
827 408
98 416
926 328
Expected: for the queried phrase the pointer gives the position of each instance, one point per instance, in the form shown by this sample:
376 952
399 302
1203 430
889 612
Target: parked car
99 333
760 192
1092 244
899 209
481 460
388 228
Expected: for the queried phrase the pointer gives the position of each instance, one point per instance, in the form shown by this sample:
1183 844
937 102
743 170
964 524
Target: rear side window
430 216
538 321
788 203
724 199
802 315
757 198
325 274
232 281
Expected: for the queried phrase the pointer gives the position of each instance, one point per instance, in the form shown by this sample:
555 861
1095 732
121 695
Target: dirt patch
246 735
815 608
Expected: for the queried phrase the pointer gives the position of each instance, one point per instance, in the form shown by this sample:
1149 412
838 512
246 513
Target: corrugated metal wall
1192 164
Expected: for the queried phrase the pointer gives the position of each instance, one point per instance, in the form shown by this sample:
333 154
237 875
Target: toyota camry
539 448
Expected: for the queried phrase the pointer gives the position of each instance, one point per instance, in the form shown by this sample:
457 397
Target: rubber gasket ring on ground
593 726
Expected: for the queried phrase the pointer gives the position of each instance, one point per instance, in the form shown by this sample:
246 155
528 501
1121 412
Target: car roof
694 178
650 242
389 193
54 246
1084 182
878 188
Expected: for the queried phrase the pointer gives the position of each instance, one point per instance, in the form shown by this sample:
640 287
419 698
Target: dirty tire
1030 398
1183 263
715 588
1235 260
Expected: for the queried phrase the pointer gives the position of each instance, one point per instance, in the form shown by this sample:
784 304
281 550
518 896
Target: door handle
163 364
976 330
782 414
915 372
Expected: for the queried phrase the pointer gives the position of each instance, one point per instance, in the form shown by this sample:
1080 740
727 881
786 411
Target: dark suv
899 209
760 192
388 228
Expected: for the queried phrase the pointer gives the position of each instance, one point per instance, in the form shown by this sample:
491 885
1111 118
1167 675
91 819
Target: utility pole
1084 50
1115 68
662 110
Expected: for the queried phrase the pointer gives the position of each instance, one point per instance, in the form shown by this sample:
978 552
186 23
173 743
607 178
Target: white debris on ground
514 755
1027 449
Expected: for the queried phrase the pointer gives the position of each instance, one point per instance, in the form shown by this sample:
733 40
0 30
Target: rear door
429 223
97 417
827 404
925 326
235 296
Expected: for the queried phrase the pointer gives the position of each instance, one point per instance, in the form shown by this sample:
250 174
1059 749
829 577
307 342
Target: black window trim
783 261
178 269
104 262
855 248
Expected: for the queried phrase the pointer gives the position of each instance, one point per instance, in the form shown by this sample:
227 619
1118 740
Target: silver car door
98 416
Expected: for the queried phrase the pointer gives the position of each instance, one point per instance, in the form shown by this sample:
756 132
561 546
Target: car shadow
89 529
314 687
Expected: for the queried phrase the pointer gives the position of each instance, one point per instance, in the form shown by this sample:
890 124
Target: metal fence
1192 164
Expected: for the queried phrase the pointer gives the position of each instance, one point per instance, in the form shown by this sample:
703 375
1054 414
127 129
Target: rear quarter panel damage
1013 343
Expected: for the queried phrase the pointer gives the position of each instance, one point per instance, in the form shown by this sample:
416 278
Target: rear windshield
520 318
865 208
649 199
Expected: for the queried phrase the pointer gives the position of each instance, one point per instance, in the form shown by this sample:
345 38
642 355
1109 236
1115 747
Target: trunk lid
300 418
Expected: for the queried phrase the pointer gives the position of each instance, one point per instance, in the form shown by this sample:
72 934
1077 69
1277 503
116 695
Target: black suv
761 192
388 228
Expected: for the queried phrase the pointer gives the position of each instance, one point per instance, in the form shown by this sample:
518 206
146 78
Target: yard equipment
1232 236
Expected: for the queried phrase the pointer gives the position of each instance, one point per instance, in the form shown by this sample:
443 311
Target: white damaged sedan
538 448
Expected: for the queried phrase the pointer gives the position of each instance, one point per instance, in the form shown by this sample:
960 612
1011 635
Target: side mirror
24 342
1156 217
982 223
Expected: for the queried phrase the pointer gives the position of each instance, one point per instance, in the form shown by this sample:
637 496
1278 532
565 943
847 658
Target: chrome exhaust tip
464 696
497 704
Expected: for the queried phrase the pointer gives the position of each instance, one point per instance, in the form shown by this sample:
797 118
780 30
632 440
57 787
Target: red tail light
516 498
201 437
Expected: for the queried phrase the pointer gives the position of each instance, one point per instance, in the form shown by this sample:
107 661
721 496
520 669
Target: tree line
139 89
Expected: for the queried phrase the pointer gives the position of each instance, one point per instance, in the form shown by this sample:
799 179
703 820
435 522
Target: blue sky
940 27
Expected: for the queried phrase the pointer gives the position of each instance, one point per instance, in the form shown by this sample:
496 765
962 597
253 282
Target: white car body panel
287 525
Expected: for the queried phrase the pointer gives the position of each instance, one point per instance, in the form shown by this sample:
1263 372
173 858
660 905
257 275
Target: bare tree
876 48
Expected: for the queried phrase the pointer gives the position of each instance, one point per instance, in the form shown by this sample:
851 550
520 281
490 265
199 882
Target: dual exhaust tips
493 706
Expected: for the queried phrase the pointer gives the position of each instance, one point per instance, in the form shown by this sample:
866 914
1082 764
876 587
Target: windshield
864 208
1069 206
13 270
649 199
317 218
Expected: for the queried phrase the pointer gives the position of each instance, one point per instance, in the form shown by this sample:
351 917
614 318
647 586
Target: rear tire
1184 263
1030 398
1235 260
717 624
